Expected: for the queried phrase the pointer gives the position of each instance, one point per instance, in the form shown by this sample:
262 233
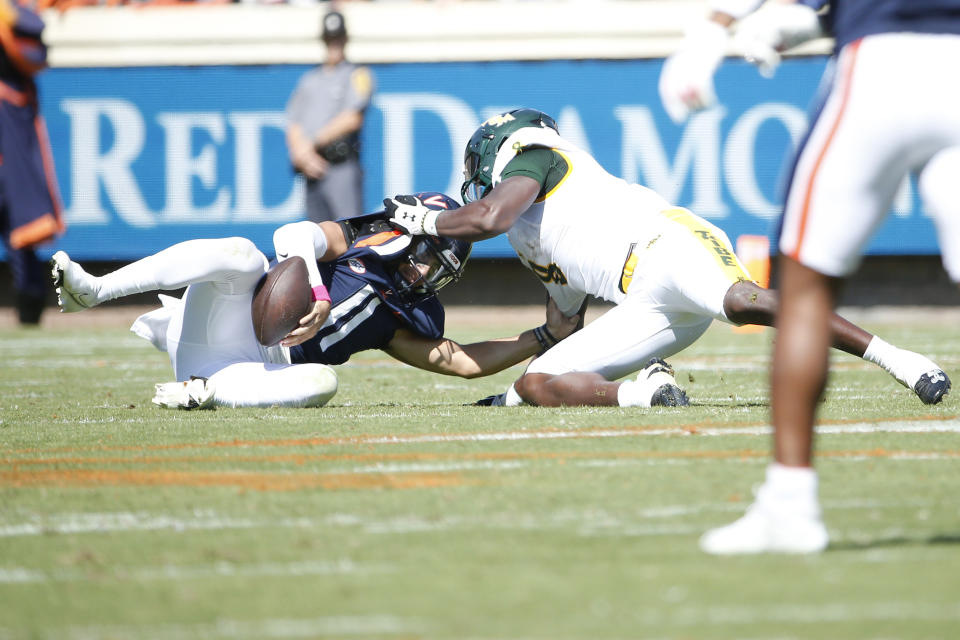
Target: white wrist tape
430 223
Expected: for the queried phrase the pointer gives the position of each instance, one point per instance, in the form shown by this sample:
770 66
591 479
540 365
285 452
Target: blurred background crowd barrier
167 123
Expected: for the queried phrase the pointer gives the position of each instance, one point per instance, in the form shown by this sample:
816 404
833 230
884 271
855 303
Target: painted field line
932 424
241 480
801 613
65 523
24 575
330 626
448 461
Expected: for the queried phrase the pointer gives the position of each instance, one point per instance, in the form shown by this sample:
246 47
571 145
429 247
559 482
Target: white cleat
920 374
76 289
769 528
196 393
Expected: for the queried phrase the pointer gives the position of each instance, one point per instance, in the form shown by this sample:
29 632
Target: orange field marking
301 459
266 481
253 481
584 432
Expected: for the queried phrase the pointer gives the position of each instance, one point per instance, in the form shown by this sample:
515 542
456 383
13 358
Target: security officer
324 117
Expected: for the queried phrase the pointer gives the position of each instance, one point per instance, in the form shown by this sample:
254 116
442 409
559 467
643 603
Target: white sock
880 352
904 365
512 398
234 264
634 393
791 488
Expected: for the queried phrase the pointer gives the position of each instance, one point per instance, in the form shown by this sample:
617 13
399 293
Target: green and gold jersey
578 234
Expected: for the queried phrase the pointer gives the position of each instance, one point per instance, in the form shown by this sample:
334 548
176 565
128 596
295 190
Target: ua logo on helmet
499 120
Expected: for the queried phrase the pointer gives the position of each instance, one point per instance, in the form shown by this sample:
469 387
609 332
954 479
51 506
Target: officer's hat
334 26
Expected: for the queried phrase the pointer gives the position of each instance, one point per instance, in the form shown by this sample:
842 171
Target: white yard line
23 575
814 613
649 521
945 426
336 626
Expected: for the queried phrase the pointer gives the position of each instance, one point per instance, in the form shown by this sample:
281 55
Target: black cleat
491 401
669 395
932 386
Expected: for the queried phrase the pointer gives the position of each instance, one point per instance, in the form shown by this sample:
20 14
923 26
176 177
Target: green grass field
399 512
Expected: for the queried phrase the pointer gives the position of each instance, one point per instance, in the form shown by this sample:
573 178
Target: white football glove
686 81
763 35
410 214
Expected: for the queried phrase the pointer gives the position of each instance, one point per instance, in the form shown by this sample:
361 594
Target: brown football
280 299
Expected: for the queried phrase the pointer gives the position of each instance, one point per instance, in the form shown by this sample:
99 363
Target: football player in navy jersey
374 288
884 112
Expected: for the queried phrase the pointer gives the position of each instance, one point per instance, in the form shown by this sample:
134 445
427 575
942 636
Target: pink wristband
320 293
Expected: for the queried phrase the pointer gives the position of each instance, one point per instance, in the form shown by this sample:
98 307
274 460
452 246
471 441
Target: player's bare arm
492 215
488 217
479 359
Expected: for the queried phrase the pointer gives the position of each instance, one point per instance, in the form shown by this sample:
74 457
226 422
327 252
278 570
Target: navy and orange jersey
22 52
365 308
29 201
850 20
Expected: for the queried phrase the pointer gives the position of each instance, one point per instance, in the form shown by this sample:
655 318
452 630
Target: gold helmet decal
499 120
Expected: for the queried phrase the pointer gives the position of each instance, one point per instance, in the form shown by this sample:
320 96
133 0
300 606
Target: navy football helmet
431 262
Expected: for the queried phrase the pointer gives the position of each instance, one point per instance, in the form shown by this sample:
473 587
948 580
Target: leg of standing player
800 359
843 183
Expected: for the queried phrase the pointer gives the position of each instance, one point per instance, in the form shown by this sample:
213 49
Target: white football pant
676 292
209 333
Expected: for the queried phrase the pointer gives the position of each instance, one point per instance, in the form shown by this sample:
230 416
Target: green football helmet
481 151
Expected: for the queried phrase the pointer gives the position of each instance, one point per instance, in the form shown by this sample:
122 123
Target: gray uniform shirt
322 94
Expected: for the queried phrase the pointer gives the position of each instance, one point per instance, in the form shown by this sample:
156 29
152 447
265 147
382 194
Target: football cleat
195 393
76 289
774 523
761 531
919 373
666 393
932 386
498 400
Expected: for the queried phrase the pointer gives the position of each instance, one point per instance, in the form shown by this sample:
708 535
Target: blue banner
147 157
